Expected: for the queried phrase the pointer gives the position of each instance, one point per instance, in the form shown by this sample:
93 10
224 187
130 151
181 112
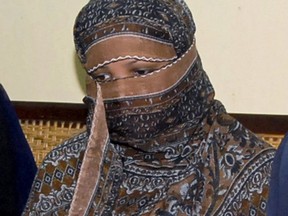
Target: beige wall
243 45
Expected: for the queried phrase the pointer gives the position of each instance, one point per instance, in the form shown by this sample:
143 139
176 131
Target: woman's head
142 53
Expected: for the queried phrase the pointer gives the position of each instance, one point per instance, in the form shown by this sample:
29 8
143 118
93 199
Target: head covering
159 143
158 121
167 21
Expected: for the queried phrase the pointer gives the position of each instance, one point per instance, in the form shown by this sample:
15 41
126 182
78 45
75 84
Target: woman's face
113 61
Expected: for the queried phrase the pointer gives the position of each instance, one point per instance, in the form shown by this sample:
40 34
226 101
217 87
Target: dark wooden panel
51 111
273 124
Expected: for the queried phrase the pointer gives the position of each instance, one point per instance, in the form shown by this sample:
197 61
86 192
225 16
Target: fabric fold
93 158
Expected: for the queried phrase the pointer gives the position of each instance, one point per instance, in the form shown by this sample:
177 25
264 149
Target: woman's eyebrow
133 61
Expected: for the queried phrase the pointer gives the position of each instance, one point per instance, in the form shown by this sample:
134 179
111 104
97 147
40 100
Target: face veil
164 20
144 119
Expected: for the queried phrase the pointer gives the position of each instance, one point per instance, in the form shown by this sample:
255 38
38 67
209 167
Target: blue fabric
278 194
17 165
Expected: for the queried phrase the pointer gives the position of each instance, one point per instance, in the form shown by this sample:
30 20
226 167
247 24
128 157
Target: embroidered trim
129 57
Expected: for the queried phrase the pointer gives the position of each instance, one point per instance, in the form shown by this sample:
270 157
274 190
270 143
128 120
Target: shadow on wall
80 73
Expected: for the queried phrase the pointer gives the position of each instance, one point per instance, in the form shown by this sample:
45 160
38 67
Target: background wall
243 45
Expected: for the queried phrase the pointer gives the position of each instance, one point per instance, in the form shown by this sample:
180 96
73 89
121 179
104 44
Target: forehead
122 47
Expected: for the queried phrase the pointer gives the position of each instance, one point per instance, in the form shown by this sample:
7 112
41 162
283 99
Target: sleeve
54 184
278 195
17 165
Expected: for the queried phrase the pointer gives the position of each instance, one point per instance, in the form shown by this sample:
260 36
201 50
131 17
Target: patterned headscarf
165 20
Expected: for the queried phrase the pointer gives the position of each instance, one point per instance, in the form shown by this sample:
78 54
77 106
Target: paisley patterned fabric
169 151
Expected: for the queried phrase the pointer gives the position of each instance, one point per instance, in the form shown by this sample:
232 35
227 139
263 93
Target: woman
157 142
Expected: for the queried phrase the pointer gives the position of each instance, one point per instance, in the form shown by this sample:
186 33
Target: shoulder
71 148
56 177
239 149
245 160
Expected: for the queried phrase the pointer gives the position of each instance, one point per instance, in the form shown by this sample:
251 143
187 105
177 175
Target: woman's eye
142 71
103 77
